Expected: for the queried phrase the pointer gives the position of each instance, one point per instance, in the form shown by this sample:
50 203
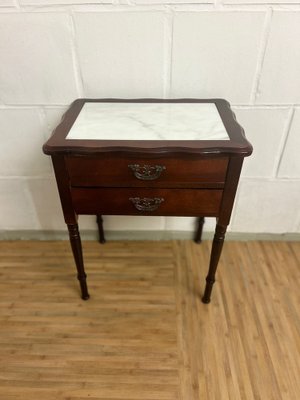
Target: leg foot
198 234
86 297
208 290
214 259
100 229
83 286
77 253
205 300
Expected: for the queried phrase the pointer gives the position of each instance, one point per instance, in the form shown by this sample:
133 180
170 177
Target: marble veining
148 121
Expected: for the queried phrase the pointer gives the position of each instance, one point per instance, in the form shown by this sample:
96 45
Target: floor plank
145 334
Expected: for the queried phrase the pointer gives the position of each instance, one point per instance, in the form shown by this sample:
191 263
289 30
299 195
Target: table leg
100 229
214 259
198 234
77 253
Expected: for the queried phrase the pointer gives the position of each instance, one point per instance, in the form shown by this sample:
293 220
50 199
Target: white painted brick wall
121 54
7 3
215 53
280 78
36 58
263 126
23 132
290 165
247 51
264 204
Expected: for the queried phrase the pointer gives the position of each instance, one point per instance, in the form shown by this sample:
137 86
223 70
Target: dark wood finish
232 180
214 259
237 145
198 234
181 178
77 253
178 202
63 184
111 170
100 229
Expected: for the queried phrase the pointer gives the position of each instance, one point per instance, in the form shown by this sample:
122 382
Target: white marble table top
148 121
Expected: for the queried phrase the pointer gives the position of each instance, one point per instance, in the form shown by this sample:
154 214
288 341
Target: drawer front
147 201
112 171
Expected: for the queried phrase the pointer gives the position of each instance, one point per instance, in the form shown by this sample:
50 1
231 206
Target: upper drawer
112 171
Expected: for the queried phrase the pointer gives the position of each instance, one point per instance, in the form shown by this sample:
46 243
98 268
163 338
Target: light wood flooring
144 334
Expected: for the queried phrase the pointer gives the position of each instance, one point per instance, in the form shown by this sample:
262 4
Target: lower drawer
147 201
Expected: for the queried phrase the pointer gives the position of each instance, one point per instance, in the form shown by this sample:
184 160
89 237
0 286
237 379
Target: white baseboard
142 235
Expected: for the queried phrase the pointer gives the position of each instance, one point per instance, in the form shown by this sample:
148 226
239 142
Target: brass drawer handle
147 172
146 203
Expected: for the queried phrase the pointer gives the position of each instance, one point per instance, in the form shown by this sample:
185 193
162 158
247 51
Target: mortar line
44 121
92 234
283 143
75 58
168 49
261 55
218 4
242 106
30 106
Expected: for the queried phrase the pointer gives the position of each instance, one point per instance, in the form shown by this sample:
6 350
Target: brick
44 195
265 130
7 3
62 2
17 210
266 207
121 54
280 78
290 163
36 60
131 223
259 2
215 54
188 224
172 1
22 137
53 117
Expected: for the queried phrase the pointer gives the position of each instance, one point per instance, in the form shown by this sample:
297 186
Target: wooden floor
144 334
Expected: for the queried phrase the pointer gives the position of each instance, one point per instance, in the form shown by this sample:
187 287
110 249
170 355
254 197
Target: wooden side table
178 157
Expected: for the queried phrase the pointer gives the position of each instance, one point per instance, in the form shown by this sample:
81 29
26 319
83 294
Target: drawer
114 171
147 201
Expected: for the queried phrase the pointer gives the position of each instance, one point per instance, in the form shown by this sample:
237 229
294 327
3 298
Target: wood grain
116 201
113 171
145 334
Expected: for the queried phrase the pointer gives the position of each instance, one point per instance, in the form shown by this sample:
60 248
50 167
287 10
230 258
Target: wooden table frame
68 155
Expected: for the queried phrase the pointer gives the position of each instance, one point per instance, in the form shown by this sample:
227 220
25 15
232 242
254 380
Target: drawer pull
146 172
146 203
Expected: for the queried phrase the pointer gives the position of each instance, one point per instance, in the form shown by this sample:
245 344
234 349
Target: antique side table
178 157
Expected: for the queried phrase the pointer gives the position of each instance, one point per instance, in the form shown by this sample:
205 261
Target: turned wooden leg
100 229
214 259
198 234
77 253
